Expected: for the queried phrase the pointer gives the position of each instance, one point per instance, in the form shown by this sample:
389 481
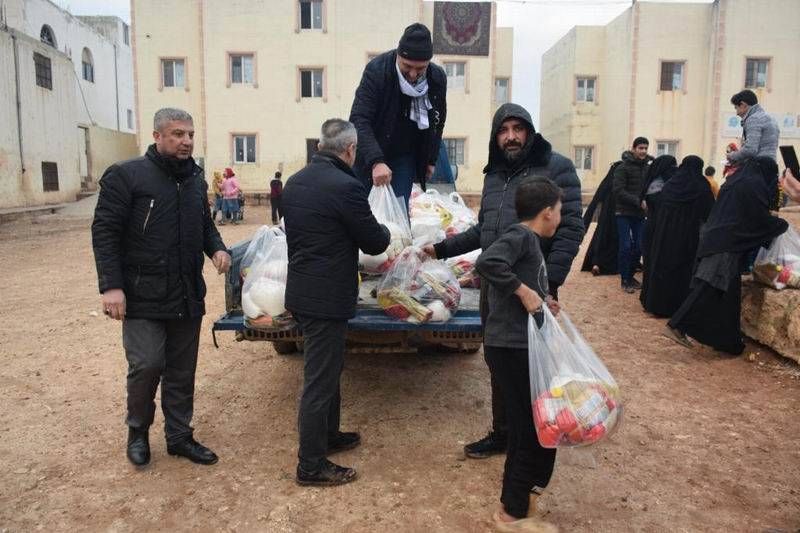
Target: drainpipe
116 85
19 101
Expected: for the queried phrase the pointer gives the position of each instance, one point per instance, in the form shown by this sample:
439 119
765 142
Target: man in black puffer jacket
328 219
151 227
516 151
399 111
629 178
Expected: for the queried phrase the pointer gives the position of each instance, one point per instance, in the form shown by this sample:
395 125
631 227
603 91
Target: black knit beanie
416 43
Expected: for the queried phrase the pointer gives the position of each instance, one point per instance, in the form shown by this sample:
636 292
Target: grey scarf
419 99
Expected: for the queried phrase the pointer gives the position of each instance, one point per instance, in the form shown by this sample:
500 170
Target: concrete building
667 71
66 102
261 77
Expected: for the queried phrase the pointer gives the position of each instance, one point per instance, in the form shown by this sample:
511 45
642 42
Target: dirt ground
709 442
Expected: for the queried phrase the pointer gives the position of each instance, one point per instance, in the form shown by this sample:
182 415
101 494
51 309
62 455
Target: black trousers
162 351
320 403
499 424
275 204
528 466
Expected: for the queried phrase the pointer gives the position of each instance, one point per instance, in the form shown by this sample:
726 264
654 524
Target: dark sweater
513 259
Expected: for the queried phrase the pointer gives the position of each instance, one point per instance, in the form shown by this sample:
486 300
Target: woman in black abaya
601 255
739 222
658 174
683 206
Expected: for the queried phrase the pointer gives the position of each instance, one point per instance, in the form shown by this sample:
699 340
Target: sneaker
635 283
677 336
595 270
492 444
328 475
221 222
628 287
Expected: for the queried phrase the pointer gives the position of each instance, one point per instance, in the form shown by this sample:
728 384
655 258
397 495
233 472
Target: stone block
772 318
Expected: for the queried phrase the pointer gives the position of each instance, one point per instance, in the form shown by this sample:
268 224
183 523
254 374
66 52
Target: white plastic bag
575 400
419 289
263 293
779 265
388 211
259 244
435 217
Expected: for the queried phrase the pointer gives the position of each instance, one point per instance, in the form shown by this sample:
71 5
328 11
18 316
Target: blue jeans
403 173
629 230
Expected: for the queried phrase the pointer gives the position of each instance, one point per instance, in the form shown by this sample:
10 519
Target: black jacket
376 109
497 210
629 178
327 220
150 230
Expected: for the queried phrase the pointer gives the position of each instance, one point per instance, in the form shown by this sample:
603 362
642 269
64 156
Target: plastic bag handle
276 231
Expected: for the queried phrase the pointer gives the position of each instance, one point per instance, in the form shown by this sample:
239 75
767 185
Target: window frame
297 17
684 76
456 138
768 82
49 29
161 61
41 61
677 144
233 136
229 61
299 81
586 78
85 64
464 62
584 147
126 34
508 89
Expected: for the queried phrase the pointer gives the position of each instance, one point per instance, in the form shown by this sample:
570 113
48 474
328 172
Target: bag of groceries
259 244
576 401
435 217
463 267
418 288
388 211
779 265
263 293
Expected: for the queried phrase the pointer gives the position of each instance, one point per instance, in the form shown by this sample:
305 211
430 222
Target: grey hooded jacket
497 210
760 138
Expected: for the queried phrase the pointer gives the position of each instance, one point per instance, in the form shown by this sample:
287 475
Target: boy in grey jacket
760 134
515 270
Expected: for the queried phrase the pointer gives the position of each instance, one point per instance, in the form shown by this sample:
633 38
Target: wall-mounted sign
788 123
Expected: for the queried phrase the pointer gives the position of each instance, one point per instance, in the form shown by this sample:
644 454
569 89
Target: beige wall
714 40
107 147
271 108
48 121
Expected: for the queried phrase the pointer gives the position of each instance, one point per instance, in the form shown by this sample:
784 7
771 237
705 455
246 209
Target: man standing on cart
399 111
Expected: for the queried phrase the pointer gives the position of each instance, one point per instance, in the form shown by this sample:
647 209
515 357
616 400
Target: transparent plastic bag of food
575 400
263 292
463 267
779 265
259 245
418 288
388 211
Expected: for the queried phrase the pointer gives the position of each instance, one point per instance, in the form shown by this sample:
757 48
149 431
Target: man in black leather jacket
516 151
151 227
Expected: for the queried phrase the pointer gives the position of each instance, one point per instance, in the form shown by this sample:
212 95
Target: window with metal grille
49 176
672 75
583 157
88 65
311 14
501 90
584 90
456 75
47 36
244 148
455 151
242 68
311 83
44 71
756 73
173 71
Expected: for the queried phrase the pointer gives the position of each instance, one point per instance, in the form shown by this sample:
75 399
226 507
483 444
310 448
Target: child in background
216 187
517 277
230 197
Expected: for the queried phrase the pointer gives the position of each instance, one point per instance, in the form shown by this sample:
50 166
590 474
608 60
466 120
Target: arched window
47 36
88 65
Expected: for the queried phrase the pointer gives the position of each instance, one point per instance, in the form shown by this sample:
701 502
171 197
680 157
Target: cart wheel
285 347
